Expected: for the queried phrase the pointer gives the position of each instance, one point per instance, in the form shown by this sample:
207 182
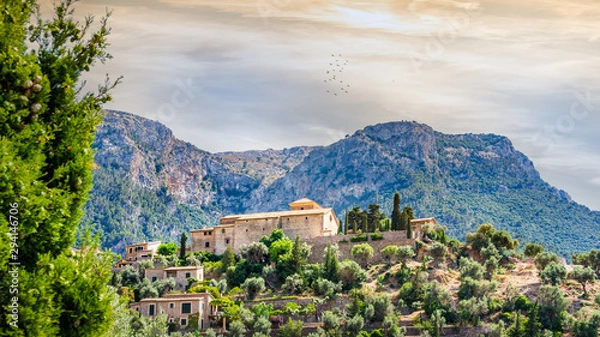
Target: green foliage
354 325
280 248
487 235
470 268
326 288
472 288
253 286
237 329
47 126
294 284
382 306
362 252
533 249
376 237
587 327
374 216
167 249
291 328
182 244
590 259
360 238
583 276
351 275
275 235
436 298
554 274
389 252
255 253
396 213
228 259
438 251
405 253
544 259
471 311
553 305
331 267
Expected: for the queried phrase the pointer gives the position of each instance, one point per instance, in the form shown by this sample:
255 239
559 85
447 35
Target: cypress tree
331 267
396 213
533 327
182 244
47 128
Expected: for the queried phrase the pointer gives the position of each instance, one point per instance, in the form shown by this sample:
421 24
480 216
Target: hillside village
301 272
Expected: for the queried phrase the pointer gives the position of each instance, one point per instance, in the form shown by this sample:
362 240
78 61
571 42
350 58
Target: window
188 275
202 323
183 321
206 244
171 305
130 250
305 218
186 308
202 306
246 230
226 241
223 230
301 208
153 278
151 310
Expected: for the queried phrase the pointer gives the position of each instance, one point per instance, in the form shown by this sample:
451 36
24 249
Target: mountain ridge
463 180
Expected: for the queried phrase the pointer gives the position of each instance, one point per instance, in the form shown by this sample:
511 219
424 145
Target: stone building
181 309
306 219
180 274
137 252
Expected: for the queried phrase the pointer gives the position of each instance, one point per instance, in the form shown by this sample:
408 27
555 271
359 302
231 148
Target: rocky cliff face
462 180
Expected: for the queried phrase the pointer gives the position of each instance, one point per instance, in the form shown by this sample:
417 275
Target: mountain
150 185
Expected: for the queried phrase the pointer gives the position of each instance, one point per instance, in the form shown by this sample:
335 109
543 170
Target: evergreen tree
47 127
533 327
228 259
182 244
331 267
396 213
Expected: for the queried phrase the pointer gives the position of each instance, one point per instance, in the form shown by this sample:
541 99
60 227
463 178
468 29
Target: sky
230 75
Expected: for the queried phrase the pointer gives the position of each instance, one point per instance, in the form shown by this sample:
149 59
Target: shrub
351 274
359 238
542 260
376 237
404 253
583 276
354 325
533 249
470 268
253 286
554 274
362 252
291 329
294 284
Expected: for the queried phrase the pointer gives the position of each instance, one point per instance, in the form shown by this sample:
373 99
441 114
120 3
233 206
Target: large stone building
306 219
180 309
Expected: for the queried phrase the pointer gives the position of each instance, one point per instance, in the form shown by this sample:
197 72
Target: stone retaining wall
397 238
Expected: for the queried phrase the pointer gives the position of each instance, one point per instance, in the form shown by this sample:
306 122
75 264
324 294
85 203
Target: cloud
258 67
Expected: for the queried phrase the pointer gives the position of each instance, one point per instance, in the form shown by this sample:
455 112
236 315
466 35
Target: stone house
180 274
182 309
137 252
306 219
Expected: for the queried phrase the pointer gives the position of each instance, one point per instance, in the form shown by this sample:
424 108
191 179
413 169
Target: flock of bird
334 81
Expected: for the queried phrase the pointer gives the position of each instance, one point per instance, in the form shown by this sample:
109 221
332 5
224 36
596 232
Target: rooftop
276 214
